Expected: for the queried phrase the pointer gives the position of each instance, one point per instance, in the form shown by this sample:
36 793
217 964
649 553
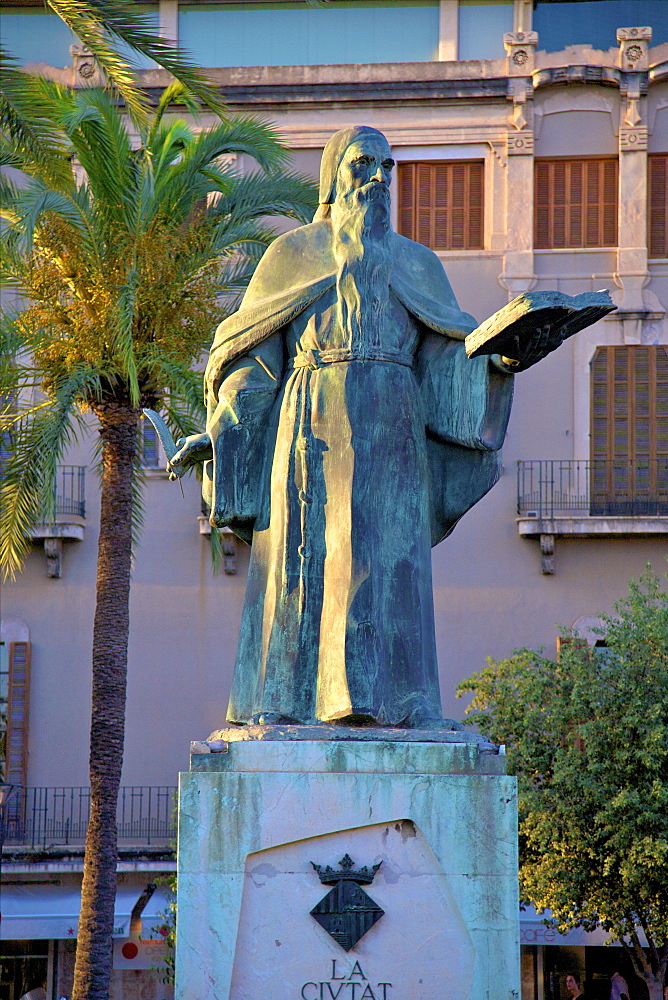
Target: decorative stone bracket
547 555
53 536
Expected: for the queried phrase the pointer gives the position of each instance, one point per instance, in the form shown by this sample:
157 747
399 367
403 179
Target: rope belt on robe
318 359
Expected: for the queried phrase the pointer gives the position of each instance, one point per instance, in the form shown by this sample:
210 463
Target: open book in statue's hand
534 324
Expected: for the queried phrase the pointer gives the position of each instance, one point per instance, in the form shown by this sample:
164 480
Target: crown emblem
363 876
346 912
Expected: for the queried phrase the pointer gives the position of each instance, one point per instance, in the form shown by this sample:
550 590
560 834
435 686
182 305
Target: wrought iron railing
57 817
596 488
70 490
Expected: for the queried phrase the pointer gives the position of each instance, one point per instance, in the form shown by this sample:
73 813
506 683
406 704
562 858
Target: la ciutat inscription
342 985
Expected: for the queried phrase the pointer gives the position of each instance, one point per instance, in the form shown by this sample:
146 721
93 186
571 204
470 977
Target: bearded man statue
347 433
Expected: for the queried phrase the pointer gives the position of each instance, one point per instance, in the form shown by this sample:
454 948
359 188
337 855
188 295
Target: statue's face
365 163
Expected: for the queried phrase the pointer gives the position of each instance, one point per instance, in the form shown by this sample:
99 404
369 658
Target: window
629 431
441 204
16 749
576 204
4 699
150 446
657 211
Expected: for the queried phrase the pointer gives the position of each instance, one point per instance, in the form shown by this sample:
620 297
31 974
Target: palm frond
188 183
102 146
256 137
103 24
175 93
34 201
182 397
256 195
30 127
27 489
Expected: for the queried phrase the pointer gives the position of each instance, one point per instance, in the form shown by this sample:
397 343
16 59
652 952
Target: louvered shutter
660 424
476 194
17 713
629 431
575 204
407 200
423 222
543 233
609 189
575 200
442 204
657 210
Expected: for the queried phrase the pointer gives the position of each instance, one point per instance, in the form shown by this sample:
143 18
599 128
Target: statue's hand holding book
534 324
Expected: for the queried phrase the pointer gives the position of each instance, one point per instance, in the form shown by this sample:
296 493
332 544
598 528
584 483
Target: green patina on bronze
347 433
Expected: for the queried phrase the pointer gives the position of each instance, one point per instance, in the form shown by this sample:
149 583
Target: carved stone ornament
634 45
87 73
346 912
633 139
521 47
632 114
634 53
520 143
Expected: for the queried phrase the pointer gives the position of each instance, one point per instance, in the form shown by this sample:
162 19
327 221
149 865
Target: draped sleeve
237 421
466 407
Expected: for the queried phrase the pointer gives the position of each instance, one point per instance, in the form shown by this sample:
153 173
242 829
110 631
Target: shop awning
534 931
52 911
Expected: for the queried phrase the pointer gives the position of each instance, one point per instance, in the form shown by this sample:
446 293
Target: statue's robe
343 463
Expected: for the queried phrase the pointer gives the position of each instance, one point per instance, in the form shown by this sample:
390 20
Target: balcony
587 499
49 819
70 514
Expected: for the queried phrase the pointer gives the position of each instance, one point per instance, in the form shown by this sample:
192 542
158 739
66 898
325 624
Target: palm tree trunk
118 430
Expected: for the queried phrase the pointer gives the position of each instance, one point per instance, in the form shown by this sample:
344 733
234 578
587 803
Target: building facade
532 153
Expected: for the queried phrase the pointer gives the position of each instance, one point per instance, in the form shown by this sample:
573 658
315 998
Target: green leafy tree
587 737
126 263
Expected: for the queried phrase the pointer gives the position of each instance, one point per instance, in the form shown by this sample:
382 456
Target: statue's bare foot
271 719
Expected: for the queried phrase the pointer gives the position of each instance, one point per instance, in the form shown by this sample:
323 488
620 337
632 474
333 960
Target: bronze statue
347 433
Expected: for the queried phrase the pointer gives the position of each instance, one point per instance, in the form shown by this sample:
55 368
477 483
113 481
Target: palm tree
123 262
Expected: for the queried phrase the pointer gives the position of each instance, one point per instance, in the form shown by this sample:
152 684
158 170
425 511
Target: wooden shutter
441 204
17 713
657 210
564 642
629 430
575 203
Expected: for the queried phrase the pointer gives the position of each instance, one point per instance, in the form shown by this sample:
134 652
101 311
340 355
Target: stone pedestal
419 833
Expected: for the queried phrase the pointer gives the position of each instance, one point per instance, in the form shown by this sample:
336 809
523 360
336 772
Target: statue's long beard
361 229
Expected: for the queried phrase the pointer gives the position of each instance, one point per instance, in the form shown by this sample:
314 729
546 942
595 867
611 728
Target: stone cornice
367 83
278 86
550 76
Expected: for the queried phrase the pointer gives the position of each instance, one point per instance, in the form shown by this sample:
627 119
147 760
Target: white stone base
442 819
